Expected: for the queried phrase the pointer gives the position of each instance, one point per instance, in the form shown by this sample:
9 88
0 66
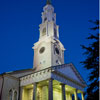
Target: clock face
42 50
57 50
44 32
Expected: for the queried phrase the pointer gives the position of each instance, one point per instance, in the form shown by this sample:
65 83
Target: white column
70 96
21 93
75 95
34 91
50 89
63 92
82 95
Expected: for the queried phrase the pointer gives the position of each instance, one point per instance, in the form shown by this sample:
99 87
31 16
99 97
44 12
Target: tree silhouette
91 63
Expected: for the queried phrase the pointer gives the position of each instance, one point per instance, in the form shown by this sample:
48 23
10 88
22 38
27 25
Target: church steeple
49 2
48 51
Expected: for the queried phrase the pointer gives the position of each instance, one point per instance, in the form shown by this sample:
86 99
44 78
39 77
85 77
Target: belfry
50 78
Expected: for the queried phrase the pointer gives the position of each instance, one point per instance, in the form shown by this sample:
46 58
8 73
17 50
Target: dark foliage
92 63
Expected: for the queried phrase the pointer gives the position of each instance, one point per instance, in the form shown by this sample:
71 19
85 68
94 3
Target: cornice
54 71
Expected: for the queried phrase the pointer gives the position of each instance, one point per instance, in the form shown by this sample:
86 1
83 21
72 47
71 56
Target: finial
49 2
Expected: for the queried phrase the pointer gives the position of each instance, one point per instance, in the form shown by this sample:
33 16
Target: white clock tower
48 51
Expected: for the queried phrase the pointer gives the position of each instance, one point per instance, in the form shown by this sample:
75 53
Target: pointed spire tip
48 1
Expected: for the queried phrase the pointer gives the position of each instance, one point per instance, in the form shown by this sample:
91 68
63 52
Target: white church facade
50 78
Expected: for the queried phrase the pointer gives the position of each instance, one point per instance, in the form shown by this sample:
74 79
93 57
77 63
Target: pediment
70 71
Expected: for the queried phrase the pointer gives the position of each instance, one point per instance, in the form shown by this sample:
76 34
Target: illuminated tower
48 51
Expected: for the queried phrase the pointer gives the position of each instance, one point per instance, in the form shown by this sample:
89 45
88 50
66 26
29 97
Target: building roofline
58 66
79 74
18 71
8 75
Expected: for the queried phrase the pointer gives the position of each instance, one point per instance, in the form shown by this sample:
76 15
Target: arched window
55 33
45 19
10 94
15 95
44 31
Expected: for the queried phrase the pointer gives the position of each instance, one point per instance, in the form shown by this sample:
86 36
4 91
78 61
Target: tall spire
48 1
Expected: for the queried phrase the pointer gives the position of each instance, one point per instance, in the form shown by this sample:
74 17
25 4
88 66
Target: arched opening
10 94
15 95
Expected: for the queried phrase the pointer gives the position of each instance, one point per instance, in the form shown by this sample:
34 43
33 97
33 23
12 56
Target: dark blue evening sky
19 30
